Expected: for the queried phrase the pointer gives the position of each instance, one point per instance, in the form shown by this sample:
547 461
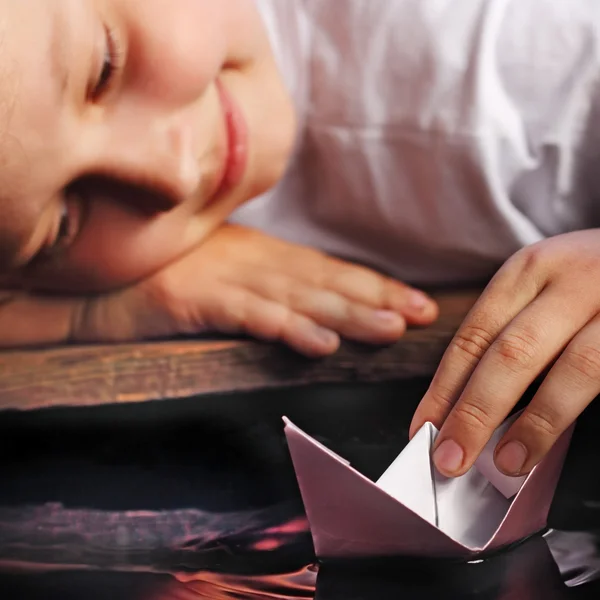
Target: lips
236 154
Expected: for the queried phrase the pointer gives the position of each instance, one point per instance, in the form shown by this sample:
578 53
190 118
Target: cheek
116 248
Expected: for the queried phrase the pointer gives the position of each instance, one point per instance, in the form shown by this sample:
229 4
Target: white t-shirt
438 136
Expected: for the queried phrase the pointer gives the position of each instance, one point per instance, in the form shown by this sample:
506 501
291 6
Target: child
131 131
431 139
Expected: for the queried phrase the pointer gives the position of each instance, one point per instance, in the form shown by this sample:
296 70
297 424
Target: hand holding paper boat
412 509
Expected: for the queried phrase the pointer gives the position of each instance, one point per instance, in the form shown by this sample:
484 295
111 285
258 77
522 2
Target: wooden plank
98 375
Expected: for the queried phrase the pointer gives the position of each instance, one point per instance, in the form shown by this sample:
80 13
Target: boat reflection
550 568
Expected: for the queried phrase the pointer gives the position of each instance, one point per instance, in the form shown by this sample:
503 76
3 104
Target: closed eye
66 231
111 64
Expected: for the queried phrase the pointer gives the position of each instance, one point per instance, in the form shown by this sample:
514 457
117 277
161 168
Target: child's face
116 144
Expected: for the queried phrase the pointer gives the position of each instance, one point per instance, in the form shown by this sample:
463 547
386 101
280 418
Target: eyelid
111 66
55 243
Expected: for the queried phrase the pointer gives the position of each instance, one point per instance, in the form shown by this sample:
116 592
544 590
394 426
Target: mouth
236 148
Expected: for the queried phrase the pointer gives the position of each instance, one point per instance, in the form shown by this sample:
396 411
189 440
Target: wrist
28 320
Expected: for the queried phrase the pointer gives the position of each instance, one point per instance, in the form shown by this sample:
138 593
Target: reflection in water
526 572
53 537
266 564
260 554
299 583
534 570
291 586
197 477
577 555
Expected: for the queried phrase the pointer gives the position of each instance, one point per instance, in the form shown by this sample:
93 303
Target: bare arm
27 320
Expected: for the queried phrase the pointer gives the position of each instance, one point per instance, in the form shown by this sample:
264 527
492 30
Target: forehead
32 68
31 51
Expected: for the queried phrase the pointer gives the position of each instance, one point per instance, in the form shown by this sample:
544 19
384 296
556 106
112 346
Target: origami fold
412 510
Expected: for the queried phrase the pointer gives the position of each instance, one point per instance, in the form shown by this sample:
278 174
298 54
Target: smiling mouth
236 153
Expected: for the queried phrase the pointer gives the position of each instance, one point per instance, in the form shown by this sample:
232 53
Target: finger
355 321
377 291
356 284
502 300
520 353
572 383
317 269
349 319
306 337
331 310
236 310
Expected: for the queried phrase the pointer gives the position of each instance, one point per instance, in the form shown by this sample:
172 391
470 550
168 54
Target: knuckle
284 291
274 286
473 415
165 294
353 282
393 294
527 270
585 361
162 289
530 260
542 421
300 297
319 268
230 315
518 349
441 398
267 321
336 310
473 341
279 323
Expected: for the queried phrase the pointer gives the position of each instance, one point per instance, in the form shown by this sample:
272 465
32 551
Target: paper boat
412 510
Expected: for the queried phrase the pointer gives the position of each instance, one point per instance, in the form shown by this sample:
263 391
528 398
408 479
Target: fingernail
511 458
419 301
448 457
325 336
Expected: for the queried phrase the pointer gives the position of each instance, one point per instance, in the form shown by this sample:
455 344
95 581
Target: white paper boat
412 509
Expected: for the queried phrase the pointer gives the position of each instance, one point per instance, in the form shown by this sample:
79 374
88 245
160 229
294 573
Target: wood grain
97 375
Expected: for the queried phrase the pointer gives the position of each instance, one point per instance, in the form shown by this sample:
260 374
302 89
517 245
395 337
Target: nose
156 155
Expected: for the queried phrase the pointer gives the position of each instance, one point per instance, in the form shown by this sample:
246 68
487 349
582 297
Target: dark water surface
193 499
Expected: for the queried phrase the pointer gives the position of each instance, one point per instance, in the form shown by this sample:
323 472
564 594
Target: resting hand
240 281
